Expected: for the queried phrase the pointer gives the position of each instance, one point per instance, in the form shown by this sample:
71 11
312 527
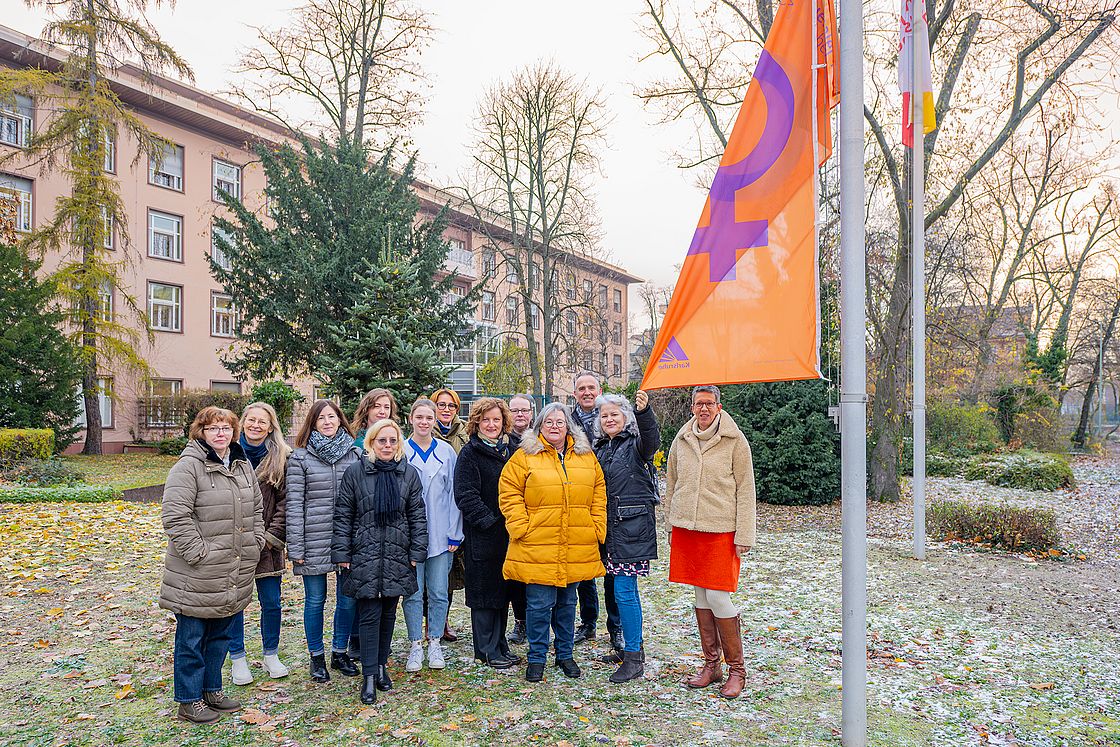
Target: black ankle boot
319 671
369 689
632 667
343 663
517 637
383 682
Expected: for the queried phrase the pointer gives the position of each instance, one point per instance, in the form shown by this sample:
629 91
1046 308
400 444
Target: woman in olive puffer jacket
380 534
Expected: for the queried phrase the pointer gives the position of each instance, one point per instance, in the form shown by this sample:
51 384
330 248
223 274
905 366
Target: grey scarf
330 450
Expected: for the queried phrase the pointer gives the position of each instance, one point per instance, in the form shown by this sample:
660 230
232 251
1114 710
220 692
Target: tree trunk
89 301
1080 436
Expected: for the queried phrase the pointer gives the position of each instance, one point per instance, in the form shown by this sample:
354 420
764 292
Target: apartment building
171 208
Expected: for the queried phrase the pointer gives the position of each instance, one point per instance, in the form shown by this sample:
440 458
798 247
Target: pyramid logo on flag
674 356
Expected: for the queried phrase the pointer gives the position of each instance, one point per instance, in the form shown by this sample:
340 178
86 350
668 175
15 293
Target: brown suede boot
709 642
731 639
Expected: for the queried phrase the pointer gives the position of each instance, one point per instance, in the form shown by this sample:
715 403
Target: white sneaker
274 666
241 673
435 655
415 657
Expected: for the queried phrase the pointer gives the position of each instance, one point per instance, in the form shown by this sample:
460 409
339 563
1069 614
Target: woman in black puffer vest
380 534
627 442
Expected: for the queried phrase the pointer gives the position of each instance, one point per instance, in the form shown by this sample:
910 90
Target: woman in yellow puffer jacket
554 498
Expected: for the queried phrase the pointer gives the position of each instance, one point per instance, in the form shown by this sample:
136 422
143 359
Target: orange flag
745 307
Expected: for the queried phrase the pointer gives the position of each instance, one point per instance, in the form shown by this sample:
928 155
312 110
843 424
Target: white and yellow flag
906 77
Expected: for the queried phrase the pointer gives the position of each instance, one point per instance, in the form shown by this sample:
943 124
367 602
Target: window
225 386
18 190
487 306
168 170
535 276
107 227
165 307
616 333
616 366
511 273
104 402
459 254
617 300
588 289
511 310
602 361
161 413
165 236
105 303
15 122
602 296
221 259
110 164
226 178
570 322
223 317
489 261
535 316
570 285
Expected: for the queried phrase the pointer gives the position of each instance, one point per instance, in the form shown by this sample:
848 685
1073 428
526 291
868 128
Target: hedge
1026 470
26 443
1010 527
75 494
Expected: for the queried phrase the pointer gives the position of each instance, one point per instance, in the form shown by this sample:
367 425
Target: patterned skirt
641 568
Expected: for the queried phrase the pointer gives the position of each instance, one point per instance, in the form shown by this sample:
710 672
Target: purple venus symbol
723 238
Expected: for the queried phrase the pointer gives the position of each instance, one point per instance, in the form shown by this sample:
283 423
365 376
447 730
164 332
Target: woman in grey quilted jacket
324 449
213 516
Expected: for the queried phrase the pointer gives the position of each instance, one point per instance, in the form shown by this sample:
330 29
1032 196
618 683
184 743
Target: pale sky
649 207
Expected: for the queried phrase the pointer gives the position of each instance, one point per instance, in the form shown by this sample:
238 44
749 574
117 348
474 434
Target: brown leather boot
709 642
731 639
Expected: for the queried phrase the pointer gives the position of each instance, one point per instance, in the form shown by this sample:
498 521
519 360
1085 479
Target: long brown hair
361 414
304 434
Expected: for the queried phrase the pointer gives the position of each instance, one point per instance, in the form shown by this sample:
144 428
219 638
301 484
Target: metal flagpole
918 281
853 379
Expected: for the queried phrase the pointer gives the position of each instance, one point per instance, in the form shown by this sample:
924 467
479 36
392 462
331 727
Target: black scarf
330 450
255 454
387 503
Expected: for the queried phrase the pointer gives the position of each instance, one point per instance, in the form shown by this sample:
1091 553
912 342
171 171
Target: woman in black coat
627 442
485 539
380 534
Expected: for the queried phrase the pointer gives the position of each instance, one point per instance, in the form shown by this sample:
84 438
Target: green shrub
961 430
1026 470
283 398
794 444
192 401
943 465
1010 527
41 473
17 444
76 494
172 445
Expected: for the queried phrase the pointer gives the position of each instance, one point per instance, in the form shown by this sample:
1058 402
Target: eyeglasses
385 441
218 429
254 421
705 405
554 424
520 411
446 405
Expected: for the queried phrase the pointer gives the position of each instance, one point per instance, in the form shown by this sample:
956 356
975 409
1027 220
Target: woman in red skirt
710 502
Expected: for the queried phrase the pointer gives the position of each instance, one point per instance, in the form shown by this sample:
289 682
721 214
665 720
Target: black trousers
376 619
516 591
589 603
488 629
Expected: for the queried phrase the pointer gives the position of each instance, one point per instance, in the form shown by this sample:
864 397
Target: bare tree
982 100
537 139
354 63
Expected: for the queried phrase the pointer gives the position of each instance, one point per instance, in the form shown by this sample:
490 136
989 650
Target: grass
123 471
85 645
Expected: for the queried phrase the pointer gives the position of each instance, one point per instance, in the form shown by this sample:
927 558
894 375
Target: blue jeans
430 575
268 594
629 610
200 649
545 606
314 600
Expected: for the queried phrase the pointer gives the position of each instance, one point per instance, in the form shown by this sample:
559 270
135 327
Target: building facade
169 234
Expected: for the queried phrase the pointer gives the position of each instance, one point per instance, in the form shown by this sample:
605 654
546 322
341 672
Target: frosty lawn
967 648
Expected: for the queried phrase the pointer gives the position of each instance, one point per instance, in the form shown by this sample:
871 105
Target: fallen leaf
449 727
124 692
254 716
1042 686
42 643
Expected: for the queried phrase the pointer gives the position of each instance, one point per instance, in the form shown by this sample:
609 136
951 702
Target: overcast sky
649 208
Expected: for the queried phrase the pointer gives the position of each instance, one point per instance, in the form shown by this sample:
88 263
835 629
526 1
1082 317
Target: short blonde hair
482 406
207 416
379 426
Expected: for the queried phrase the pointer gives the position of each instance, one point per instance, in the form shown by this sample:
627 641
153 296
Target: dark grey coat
381 558
485 539
631 489
312 490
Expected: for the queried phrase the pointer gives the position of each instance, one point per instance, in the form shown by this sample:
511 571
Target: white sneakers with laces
415 657
435 655
241 673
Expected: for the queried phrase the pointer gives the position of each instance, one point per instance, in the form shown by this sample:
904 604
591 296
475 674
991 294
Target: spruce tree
340 280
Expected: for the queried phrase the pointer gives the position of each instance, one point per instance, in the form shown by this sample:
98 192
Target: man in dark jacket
587 389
